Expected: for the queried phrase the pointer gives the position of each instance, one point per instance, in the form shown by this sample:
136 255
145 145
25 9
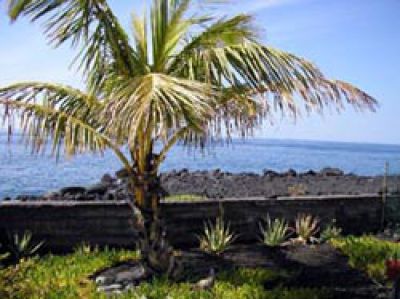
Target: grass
368 254
66 277
184 197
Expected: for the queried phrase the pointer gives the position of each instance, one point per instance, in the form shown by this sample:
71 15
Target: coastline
218 184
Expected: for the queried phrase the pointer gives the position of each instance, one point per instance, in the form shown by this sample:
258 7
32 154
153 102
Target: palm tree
182 77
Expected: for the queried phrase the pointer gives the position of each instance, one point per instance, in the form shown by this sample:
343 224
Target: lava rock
328 171
290 173
134 274
72 190
100 188
270 173
310 173
27 197
107 179
53 195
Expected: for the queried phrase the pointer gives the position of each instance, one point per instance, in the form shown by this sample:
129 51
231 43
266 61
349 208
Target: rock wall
64 225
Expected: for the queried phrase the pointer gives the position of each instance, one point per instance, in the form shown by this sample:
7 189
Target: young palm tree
182 77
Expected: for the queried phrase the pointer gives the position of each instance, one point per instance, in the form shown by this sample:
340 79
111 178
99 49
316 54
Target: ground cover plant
68 276
183 197
368 253
65 277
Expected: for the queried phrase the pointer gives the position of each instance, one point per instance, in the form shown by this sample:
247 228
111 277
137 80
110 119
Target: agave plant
181 77
22 246
217 237
306 227
275 232
4 255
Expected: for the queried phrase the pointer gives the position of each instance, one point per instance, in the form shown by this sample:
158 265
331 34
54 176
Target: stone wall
63 225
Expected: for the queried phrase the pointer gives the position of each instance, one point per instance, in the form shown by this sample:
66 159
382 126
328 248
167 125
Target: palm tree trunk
156 254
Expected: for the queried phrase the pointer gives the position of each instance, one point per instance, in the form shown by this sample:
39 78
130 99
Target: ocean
23 173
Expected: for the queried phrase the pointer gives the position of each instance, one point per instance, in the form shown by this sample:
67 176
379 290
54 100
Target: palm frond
222 33
158 104
90 24
168 27
41 123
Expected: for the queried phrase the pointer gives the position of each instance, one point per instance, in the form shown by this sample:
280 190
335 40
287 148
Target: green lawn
66 277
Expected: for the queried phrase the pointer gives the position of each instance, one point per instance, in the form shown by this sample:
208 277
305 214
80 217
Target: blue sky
357 41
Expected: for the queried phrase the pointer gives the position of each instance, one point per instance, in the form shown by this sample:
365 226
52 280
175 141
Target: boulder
329 171
270 173
290 173
27 197
100 188
72 190
310 173
107 179
52 195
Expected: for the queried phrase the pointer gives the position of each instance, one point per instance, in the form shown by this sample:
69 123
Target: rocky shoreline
219 184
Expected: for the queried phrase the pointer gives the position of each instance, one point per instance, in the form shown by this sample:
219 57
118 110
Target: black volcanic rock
328 171
72 190
219 184
100 188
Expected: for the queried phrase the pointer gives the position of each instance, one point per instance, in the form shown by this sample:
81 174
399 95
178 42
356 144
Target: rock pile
219 184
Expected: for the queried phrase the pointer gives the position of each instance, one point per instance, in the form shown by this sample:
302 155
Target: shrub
367 253
275 232
306 227
216 237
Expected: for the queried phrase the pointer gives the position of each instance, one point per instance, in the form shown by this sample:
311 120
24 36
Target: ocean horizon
24 174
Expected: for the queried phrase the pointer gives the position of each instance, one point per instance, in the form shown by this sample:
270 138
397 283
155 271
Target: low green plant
22 246
275 232
368 254
66 277
183 197
330 232
306 227
86 248
297 190
217 237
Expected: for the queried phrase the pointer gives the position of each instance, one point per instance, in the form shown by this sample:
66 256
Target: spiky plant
217 237
275 232
331 231
22 246
306 226
182 77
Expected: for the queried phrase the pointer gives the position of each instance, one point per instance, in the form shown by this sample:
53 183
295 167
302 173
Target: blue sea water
22 173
